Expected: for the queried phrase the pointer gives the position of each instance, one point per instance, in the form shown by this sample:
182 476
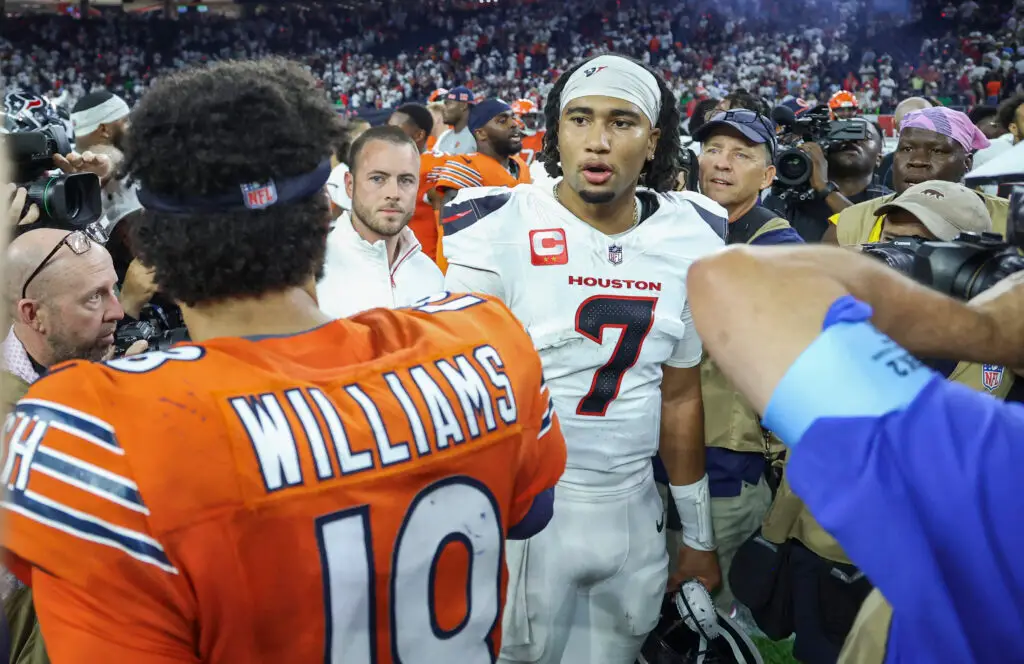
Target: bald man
884 170
62 303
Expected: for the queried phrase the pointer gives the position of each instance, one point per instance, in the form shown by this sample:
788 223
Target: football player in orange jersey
286 488
533 128
496 163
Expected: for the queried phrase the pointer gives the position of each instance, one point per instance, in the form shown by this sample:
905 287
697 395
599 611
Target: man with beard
459 139
496 162
60 292
417 122
936 143
372 245
100 119
843 177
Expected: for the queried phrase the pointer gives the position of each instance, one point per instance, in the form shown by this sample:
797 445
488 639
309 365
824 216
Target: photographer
935 144
916 477
839 178
826 589
737 151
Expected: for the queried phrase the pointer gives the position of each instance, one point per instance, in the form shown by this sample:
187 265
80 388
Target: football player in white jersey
595 268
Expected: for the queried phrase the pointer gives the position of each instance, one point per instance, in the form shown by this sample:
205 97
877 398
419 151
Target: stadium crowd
962 54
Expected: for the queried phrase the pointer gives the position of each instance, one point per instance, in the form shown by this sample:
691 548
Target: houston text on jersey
604 282
274 436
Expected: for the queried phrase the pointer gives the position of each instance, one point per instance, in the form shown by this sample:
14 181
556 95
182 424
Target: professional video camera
793 166
65 200
158 328
966 266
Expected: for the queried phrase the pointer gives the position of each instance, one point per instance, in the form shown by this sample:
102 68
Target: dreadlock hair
659 173
206 131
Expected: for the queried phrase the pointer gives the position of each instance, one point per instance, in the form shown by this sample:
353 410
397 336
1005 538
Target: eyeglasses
77 241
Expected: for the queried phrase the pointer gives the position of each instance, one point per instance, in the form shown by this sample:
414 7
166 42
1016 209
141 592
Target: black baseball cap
751 125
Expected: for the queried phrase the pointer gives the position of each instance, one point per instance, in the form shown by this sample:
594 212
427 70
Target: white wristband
693 502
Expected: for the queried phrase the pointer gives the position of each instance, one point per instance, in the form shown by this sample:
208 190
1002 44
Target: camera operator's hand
138 288
819 165
87 162
15 198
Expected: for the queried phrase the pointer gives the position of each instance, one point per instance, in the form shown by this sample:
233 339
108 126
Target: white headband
87 121
614 76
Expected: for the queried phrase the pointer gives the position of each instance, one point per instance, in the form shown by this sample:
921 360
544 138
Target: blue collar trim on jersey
251 196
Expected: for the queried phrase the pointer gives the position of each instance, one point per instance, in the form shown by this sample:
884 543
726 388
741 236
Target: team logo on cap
615 254
593 70
933 193
259 195
991 376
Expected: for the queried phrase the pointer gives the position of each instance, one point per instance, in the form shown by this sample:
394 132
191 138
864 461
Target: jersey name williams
485 402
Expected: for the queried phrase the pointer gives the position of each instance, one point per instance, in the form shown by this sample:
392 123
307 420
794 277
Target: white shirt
605 312
358 276
456 142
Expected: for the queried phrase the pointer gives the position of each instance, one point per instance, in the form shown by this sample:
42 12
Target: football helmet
29 112
843 105
529 115
693 631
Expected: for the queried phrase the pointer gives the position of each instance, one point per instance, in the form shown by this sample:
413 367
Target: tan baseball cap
945 208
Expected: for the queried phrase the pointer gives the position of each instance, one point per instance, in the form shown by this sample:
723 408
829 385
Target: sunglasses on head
747 117
77 241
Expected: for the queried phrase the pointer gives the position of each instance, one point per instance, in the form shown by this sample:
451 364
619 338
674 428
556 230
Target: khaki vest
12 389
856 222
729 419
788 518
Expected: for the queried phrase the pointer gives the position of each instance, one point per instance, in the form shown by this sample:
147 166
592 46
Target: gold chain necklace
636 207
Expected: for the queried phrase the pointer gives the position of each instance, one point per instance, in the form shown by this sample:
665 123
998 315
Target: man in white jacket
373 259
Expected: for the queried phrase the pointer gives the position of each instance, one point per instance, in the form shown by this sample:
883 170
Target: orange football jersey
340 495
532 145
424 217
473 170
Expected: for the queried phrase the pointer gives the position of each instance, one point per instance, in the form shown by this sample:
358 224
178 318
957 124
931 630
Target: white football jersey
605 312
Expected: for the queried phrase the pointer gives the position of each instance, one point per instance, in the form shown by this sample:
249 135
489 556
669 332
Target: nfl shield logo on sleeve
615 254
259 195
991 376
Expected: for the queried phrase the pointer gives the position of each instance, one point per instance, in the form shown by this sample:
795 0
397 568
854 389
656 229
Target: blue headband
252 196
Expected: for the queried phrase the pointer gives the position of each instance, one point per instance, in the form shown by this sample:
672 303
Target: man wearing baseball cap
736 163
459 139
935 210
495 162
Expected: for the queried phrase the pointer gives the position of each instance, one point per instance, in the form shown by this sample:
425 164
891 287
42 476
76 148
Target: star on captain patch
615 254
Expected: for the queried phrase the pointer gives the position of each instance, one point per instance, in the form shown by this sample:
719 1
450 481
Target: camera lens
793 168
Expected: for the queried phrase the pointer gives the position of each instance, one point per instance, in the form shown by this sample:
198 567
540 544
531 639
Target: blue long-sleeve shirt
919 480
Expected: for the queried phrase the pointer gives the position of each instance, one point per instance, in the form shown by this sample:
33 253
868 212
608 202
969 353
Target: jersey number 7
634 316
455 511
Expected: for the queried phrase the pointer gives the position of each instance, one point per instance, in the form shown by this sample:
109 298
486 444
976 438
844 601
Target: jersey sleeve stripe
547 420
88 477
69 420
458 179
468 171
52 514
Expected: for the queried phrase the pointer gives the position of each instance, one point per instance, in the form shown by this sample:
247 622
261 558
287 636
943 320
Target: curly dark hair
659 173
206 131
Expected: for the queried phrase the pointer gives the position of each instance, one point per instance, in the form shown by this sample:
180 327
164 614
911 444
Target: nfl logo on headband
257 195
